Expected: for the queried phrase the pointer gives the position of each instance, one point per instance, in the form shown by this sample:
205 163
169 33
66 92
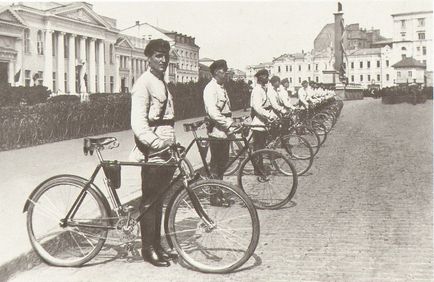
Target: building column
101 86
11 72
19 63
71 64
48 60
133 72
117 77
61 62
83 69
92 66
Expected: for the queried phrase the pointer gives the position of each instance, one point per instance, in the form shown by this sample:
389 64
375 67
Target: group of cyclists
152 121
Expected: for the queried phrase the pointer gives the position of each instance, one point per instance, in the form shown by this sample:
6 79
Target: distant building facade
72 50
369 57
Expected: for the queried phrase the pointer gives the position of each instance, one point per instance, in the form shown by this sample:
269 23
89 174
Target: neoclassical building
70 49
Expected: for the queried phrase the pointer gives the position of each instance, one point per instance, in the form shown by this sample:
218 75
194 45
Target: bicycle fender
79 178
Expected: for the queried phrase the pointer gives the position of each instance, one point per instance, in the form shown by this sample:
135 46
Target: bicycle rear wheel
299 152
82 237
231 238
265 179
235 148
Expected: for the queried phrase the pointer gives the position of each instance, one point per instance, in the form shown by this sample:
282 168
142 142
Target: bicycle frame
142 210
197 140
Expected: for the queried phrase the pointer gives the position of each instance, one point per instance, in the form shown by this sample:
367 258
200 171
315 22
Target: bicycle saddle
90 144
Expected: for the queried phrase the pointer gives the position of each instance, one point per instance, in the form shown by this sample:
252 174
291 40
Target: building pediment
82 15
9 16
124 43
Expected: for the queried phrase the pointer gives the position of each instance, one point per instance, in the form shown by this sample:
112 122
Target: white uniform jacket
147 105
218 108
262 106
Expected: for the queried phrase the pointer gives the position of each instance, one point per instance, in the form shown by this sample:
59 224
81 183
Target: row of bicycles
69 218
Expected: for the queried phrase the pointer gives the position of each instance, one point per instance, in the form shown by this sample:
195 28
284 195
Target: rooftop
411 13
409 63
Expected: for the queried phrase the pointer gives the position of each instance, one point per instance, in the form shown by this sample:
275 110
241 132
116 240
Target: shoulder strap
165 102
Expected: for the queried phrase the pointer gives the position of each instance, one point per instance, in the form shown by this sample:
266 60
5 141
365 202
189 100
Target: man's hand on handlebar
167 143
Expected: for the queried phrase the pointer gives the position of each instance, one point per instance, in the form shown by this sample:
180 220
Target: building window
378 77
111 54
308 67
290 80
352 65
403 34
316 66
27 79
53 44
290 68
361 65
308 78
65 78
369 77
418 49
368 64
352 78
40 78
424 62
27 41
387 63
111 84
410 74
316 79
65 47
40 43
278 69
387 77
286 68
54 82
421 35
402 23
421 21
299 67
361 77
398 74
423 50
299 80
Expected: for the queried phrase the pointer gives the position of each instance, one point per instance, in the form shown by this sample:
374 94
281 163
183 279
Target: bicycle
262 174
208 237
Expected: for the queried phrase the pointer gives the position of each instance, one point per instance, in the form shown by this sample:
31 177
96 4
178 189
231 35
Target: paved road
364 213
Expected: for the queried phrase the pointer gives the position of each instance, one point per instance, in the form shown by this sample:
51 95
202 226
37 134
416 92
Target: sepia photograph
216 141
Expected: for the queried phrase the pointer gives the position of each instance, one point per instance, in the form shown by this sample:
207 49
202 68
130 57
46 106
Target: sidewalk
23 169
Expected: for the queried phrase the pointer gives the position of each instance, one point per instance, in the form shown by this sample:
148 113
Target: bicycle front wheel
268 178
222 237
84 234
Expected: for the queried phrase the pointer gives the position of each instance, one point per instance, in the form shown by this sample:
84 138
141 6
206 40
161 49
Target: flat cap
261 72
217 65
274 79
158 45
285 80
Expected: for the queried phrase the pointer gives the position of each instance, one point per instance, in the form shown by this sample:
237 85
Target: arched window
40 43
26 40
404 49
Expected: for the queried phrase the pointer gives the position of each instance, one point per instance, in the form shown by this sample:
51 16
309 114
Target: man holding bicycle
262 113
152 121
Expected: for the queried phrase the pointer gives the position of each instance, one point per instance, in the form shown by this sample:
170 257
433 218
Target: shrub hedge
14 96
63 117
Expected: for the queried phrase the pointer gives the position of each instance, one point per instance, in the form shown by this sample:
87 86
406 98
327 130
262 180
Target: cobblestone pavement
363 213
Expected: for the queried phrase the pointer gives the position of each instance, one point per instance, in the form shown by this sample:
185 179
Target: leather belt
227 115
170 122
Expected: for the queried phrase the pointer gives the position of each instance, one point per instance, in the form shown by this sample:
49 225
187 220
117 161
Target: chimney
138 28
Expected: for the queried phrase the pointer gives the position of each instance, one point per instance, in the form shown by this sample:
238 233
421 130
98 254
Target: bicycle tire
197 245
320 129
234 148
258 184
299 153
309 134
56 247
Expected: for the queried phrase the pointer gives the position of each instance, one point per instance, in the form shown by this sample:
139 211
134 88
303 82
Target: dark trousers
259 141
154 180
219 157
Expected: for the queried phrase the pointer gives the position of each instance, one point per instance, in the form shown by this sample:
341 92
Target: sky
251 32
